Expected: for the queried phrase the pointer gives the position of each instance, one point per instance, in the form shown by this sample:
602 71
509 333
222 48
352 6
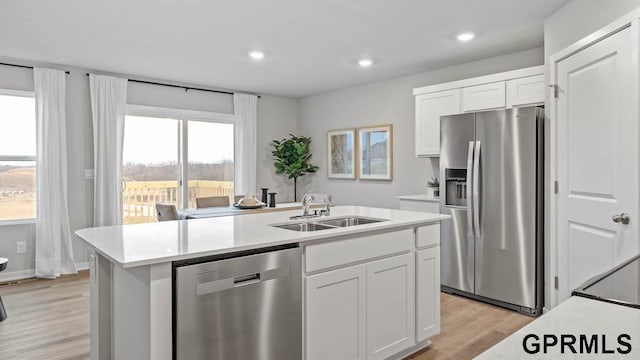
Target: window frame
27 94
183 116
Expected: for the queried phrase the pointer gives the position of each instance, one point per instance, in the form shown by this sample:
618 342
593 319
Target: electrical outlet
21 247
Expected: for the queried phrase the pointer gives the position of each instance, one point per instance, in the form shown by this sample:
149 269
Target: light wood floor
49 319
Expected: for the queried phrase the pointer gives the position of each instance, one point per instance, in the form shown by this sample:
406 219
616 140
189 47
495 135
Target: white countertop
575 316
421 197
145 244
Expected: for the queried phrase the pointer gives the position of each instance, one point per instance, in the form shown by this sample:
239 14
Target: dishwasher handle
242 280
246 279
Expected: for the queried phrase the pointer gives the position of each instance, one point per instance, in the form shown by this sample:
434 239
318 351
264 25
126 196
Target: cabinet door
428 293
335 314
484 97
429 108
527 90
390 306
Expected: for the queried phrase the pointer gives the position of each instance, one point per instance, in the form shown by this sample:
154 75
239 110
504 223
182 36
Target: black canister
272 199
264 195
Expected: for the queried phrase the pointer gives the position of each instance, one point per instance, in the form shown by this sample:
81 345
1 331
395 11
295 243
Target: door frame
632 21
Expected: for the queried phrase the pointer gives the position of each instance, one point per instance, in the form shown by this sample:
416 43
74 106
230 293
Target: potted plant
433 187
291 157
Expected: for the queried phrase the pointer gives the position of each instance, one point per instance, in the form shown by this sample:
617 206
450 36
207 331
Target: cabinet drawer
346 251
527 90
484 97
428 235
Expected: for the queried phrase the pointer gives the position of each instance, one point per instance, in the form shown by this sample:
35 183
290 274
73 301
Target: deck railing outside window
139 197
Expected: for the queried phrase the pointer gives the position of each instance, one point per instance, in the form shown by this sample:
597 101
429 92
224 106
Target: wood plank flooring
49 319
468 328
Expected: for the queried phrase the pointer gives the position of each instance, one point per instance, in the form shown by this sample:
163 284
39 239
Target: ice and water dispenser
456 187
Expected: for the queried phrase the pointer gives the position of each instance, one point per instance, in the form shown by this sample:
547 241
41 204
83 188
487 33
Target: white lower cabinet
335 314
428 293
379 307
390 306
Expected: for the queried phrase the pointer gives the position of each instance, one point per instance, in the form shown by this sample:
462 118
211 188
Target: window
17 155
171 157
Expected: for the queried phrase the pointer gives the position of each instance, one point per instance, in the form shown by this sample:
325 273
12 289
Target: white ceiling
311 46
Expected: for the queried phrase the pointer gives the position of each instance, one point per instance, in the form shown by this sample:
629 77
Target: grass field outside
17 193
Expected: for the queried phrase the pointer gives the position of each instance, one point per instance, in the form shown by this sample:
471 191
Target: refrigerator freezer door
456 237
505 249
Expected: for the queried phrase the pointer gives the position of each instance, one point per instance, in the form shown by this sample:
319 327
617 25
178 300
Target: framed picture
341 154
375 157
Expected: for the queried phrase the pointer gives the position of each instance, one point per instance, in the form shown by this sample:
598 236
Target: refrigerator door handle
469 194
476 189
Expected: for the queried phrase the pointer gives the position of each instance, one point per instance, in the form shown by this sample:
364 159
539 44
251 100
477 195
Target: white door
427 293
429 108
335 314
597 159
390 306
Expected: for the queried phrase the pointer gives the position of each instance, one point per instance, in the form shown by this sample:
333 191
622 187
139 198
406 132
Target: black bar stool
3 312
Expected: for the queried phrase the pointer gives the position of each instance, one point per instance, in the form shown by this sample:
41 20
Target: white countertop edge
418 198
576 315
301 238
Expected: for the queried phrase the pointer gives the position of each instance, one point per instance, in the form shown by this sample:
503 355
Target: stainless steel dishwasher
245 305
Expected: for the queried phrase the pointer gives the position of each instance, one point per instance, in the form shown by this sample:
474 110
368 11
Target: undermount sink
318 224
349 221
304 227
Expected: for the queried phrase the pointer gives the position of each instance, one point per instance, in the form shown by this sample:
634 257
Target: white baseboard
30 273
17 275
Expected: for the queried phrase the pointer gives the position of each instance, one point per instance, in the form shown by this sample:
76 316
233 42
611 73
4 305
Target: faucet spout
310 198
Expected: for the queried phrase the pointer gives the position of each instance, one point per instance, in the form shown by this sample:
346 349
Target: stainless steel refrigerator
491 171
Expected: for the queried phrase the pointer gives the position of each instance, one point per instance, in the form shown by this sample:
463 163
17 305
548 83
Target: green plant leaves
292 156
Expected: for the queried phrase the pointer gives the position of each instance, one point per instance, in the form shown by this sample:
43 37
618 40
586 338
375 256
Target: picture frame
341 154
375 152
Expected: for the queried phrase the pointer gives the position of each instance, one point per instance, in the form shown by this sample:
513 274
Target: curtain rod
25 66
181 86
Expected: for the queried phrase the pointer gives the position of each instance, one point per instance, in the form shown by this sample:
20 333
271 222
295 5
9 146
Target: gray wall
387 102
277 117
579 18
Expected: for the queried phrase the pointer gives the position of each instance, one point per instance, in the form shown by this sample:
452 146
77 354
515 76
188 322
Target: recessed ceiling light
365 62
257 55
466 36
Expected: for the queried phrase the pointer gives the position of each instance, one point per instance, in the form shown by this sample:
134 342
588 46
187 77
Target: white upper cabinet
484 97
525 91
429 108
491 92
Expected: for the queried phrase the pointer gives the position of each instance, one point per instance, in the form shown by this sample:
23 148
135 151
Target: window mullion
183 156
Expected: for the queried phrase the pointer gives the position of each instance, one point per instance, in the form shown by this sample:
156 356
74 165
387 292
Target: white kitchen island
395 264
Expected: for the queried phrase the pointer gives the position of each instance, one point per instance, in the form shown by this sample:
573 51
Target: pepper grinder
272 199
264 195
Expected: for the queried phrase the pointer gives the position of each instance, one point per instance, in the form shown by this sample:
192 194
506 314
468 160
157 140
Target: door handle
469 189
621 218
476 189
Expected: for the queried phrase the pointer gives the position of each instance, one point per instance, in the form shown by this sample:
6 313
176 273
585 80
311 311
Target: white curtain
54 253
244 109
108 102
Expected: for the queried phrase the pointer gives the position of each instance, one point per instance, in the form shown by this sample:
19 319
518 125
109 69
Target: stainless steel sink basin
304 227
349 221
318 224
